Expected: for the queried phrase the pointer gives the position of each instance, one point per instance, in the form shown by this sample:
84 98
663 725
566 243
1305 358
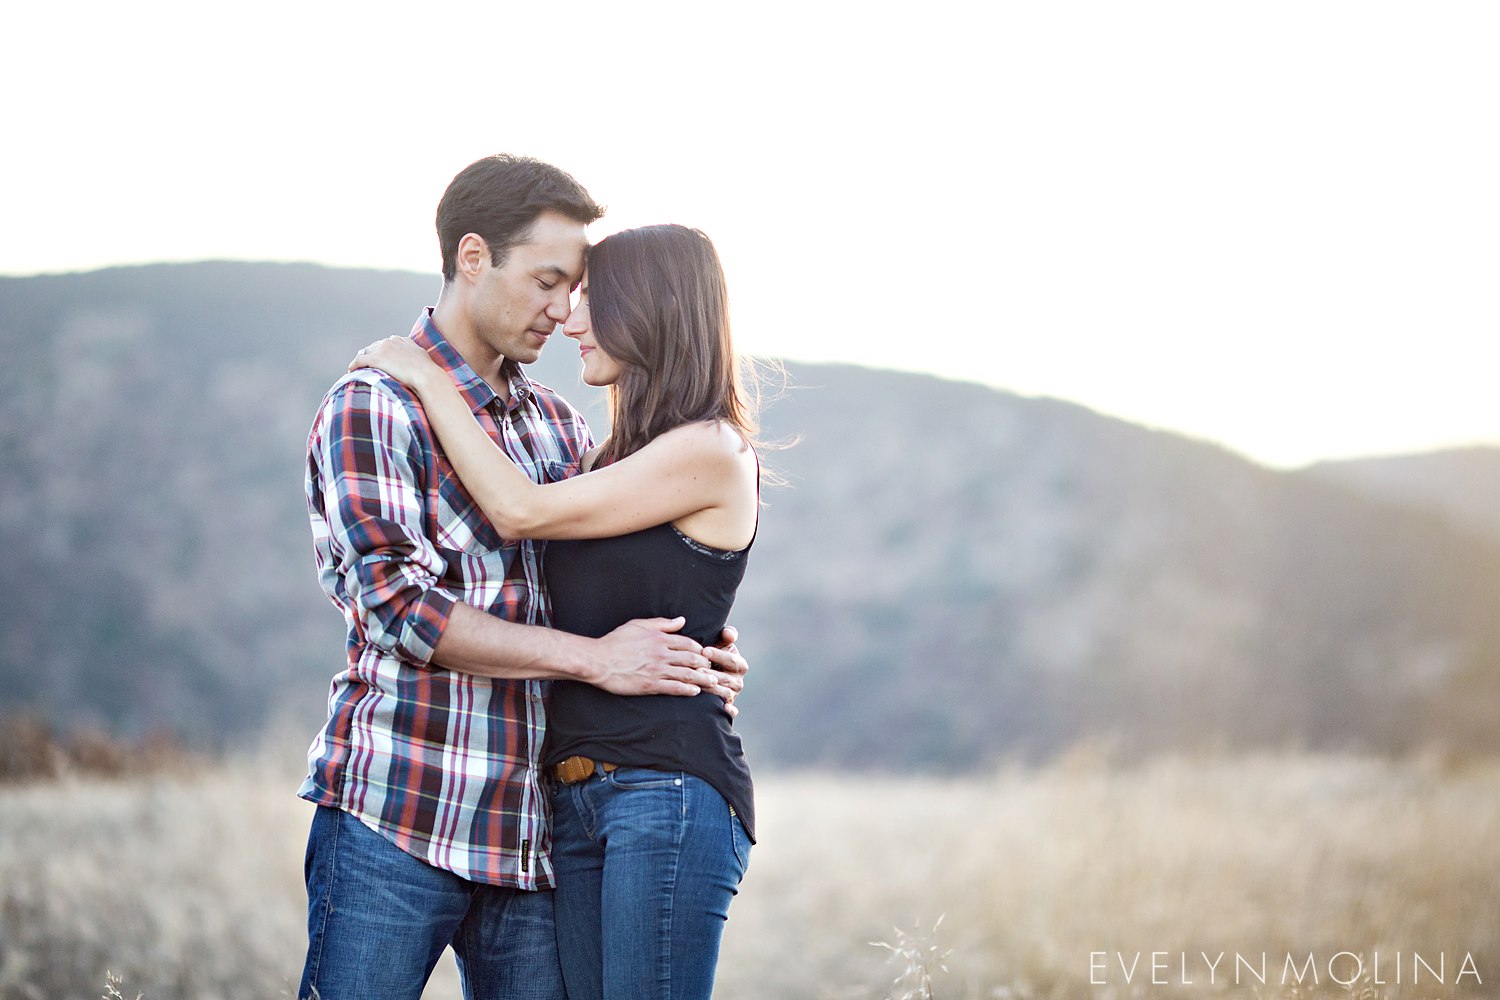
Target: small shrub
112 984
33 750
918 955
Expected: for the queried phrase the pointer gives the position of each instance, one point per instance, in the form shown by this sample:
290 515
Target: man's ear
473 255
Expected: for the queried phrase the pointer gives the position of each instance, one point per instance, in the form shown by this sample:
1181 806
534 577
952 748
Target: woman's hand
400 358
729 669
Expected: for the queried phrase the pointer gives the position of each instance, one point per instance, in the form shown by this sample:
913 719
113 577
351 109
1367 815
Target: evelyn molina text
1343 968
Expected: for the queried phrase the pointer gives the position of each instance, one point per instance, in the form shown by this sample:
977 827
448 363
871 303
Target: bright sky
1273 225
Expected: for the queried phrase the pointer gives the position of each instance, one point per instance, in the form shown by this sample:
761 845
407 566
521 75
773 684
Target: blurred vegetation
189 887
32 750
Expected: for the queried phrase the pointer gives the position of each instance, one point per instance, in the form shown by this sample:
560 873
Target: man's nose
559 309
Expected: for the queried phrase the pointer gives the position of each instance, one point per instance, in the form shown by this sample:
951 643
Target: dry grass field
1052 882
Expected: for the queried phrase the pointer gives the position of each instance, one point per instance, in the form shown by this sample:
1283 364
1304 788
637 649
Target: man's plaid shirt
443 764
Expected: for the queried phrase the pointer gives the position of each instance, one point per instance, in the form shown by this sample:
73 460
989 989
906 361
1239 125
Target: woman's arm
686 470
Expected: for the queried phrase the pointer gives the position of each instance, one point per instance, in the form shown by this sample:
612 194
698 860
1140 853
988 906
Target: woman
653 813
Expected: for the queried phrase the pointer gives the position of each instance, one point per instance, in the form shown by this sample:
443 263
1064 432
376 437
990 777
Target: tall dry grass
1036 870
189 886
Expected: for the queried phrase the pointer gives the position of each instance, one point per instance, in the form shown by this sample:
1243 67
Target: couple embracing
533 760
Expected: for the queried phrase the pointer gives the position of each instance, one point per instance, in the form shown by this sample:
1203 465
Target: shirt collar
475 390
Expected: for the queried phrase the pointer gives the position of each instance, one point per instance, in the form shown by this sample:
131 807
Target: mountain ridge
956 572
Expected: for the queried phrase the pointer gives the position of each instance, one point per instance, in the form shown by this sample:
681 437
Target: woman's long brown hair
659 307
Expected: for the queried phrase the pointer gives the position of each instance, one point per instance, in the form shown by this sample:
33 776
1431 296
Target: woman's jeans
647 862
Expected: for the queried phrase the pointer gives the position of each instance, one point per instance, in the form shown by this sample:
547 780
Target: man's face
517 305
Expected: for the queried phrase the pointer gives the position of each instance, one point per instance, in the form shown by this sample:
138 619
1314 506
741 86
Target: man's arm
640 657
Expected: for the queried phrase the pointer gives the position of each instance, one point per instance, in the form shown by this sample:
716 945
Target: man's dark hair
499 198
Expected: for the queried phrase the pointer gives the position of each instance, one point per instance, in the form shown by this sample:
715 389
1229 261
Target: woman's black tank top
598 584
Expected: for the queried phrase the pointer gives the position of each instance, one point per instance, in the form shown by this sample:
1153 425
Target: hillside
1462 484
955 573
981 571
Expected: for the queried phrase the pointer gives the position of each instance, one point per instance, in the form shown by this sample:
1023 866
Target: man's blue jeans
378 919
647 862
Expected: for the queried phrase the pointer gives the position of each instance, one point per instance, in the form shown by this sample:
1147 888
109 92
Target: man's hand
645 656
729 667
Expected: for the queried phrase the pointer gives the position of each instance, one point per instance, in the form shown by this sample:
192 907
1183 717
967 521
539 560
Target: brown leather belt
576 769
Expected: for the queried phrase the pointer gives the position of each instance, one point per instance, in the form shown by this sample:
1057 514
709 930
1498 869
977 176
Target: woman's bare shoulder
709 439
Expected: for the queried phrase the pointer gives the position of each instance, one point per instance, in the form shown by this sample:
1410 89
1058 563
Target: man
432 822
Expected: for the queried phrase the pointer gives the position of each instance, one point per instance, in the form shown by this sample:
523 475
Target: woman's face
598 368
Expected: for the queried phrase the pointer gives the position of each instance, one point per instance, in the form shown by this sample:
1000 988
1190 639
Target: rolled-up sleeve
366 474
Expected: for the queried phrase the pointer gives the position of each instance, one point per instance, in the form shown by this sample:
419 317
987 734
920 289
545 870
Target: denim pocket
643 777
741 841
